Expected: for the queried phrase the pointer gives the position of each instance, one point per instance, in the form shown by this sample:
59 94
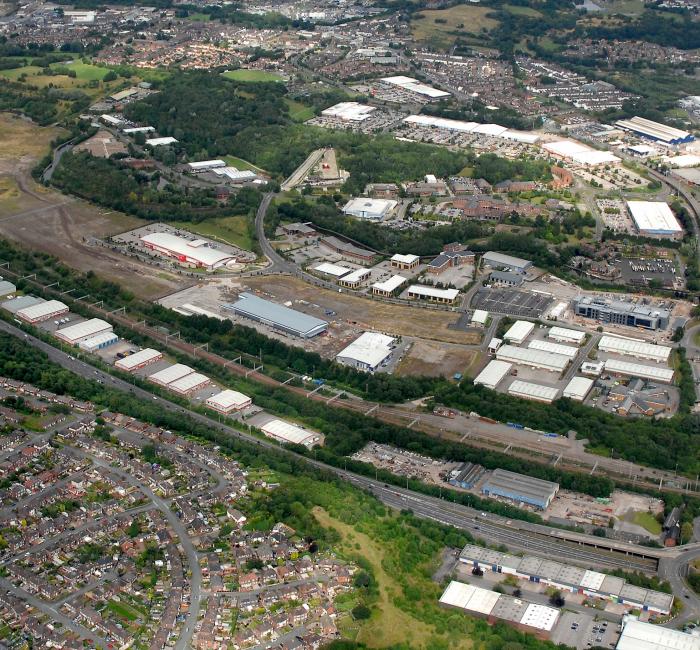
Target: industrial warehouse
535 392
627 369
74 334
637 635
189 252
569 578
278 317
168 375
564 335
519 331
228 401
529 617
505 262
635 348
367 352
42 311
138 360
493 374
290 433
519 488
621 312
654 219
349 111
533 358
655 131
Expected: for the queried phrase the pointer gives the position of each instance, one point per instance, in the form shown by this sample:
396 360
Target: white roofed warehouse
372 209
389 286
627 369
98 342
228 401
536 392
291 433
654 219
635 348
444 296
578 388
655 130
43 311
349 111
493 374
138 360
74 334
533 358
170 374
367 352
189 252
189 384
564 335
519 331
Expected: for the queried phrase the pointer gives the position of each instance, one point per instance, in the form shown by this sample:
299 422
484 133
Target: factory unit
139 359
388 287
520 488
654 219
6 288
205 165
355 279
635 348
564 335
637 635
535 392
508 262
433 294
622 312
405 262
627 369
567 578
188 252
189 384
278 317
493 374
370 209
533 618
98 342
578 388
74 334
533 358
466 475
518 332
655 131
335 270
170 374
43 311
228 401
290 433
13 305
367 352
480 317
555 348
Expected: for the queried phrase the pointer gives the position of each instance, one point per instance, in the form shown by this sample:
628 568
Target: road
517 534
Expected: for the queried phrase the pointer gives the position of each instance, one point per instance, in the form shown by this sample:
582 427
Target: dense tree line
36 103
106 182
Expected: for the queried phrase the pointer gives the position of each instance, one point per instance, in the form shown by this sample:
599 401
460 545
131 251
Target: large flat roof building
367 352
138 360
74 334
193 252
556 348
655 130
502 261
647 636
388 286
654 219
460 126
42 311
536 392
653 373
276 316
520 488
228 401
286 432
189 384
578 388
168 375
20 302
415 86
493 374
622 312
533 358
519 331
349 111
371 209
433 294
635 348
563 334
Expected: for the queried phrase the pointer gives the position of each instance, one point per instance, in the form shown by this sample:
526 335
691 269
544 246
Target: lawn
230 230
647 521
202 18
251 75
241 164
522 11
442 26
86 71
299 112
122 610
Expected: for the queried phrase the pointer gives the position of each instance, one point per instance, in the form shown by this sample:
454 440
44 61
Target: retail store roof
350 111
654 217
409 83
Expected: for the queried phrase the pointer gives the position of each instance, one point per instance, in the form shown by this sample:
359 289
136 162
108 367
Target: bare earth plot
43 219
435 359
367 314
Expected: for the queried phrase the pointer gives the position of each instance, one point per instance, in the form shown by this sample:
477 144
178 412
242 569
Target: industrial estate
350 325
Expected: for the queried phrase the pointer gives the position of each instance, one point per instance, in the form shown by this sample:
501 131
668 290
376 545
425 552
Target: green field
230 230
86 71
251 75
522 11
647 521
241 164
202 18
299 112
122 610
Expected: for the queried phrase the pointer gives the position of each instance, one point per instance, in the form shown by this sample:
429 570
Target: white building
291 433
562 334
578 388
371 209
647 636
138 360
533 358
43 311
349 111
652 373
415 86
189 252
159 142
579 153
388 286
655 130
493 374
367 352
74 334
433 294
205 165
654 219
189 384
519 331
354 279
170 374
536 392
228 401
494 344
98 342
460 126
335 270
479 317
556 348
405 262
635 348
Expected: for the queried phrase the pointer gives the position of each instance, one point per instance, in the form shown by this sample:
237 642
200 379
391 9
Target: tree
556 599
110 76
361 612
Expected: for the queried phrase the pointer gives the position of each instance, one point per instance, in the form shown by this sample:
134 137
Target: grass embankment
647 521
252 75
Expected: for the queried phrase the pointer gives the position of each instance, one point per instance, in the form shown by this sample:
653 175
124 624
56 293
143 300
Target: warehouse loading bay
626 512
